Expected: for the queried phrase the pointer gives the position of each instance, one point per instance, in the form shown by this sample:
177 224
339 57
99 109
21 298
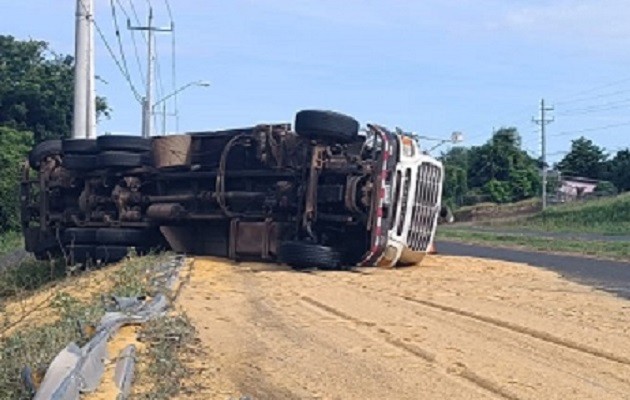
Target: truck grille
425 207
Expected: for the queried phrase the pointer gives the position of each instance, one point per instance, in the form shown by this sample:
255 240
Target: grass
169 339
609 216
10 241
614 250
37 346
30 275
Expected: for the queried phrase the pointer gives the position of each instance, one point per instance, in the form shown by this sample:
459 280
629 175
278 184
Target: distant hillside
607 216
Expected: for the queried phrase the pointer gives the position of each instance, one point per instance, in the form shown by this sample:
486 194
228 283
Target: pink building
575 187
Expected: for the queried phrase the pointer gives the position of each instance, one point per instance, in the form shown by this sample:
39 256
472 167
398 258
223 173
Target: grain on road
453 328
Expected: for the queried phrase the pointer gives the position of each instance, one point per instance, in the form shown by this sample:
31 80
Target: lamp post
456 137
163 99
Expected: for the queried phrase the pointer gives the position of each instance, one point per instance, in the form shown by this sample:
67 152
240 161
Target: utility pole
147 101
91 96
543 122
84 16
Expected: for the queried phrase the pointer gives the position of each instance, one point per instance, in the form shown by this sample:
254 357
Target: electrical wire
134 11
132 33
120 45
612 105
112 54
593 129
599 96
168 8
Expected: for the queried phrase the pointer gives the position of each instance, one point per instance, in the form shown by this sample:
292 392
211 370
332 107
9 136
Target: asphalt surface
611 276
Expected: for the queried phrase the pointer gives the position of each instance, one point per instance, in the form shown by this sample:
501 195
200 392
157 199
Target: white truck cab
415 194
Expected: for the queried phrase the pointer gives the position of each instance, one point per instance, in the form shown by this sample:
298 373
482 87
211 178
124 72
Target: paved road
611 276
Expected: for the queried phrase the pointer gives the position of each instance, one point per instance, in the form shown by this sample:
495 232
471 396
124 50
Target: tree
15 145
36 89
502 169
585 160
456 175
619 168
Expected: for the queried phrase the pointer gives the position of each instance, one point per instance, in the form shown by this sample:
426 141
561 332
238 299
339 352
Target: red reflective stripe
379 212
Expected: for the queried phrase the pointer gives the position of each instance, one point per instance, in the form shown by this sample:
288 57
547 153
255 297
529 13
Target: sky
430 66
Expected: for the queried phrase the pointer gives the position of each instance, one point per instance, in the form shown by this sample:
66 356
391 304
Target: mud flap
198 239
255 240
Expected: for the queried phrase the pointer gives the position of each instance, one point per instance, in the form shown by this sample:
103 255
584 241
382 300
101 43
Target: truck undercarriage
319 195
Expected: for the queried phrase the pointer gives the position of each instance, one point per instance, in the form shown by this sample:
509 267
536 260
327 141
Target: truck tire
79 162
79 146
303 255
134 144
79 236
326 125
124 236
43 150
122 159
110 254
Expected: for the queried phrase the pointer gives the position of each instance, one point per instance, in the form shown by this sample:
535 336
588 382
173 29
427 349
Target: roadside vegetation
599 249
584 220
33 332
608 216
10 241
500 172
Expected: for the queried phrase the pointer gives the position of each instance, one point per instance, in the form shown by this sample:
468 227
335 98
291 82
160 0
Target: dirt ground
453 328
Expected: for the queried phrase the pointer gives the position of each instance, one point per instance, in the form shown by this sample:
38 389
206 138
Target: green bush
14 146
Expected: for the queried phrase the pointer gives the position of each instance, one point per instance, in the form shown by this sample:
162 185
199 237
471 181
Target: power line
612 105
135 12
112 54
120 46
135 44
594 89
593 129
599 96
168 8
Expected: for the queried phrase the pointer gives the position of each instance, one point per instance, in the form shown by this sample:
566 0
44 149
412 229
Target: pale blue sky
431 66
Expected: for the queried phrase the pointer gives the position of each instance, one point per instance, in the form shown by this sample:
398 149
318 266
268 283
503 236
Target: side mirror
446 215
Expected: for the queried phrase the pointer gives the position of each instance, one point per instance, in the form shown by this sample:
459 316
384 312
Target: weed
36 347
30 275
10 241
168 338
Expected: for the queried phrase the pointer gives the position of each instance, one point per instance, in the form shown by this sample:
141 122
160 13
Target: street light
162 101
456 137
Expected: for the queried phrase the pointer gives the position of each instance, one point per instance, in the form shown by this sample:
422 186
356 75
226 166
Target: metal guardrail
77 370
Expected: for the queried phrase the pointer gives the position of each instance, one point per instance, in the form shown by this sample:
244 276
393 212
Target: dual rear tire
106 152
105 244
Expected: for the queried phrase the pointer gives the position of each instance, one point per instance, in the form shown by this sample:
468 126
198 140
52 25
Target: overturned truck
323 194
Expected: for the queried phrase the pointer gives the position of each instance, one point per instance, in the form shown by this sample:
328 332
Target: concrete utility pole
91 97
82 68
147 101
543 122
